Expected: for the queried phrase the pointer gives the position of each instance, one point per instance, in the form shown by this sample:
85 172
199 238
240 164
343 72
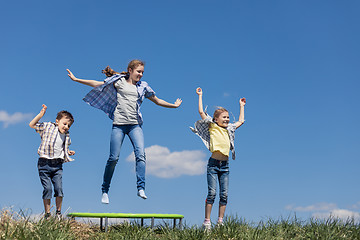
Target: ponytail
108 71
133 64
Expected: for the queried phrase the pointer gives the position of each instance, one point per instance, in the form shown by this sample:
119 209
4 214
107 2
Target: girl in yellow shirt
218 135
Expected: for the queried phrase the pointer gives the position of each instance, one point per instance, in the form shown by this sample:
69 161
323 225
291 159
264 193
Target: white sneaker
207 226
141 193
105 198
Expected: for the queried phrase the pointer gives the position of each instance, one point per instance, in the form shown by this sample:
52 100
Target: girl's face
136 73
223 120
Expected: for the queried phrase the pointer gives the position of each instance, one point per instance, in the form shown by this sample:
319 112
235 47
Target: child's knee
211 197
47 192
58 191
223 199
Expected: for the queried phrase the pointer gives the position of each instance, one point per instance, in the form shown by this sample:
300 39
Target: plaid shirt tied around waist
104 97
48 132
201 128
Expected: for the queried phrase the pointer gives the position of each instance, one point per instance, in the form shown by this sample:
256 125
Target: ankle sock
206 221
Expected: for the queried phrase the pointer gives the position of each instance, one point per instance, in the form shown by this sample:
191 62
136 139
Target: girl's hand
71 152
199 91
71 75
178 102
242 101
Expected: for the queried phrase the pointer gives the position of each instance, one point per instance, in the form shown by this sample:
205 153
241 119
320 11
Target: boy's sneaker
141 193
58 215
47 215
105 198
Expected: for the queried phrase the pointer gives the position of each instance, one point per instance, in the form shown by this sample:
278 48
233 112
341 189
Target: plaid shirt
48 132
104 97
202 130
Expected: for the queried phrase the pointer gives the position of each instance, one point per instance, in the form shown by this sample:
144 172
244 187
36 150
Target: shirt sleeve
149 92
39 127
231 127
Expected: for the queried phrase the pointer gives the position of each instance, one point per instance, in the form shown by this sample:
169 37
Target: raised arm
36 119
201 109
163 103
91 83
242 113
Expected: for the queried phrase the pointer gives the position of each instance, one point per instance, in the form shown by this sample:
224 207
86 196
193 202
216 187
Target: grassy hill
15 225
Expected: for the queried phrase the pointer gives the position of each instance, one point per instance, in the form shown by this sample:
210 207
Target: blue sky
296 62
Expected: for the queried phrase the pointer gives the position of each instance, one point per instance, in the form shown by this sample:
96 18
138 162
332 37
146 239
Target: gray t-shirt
126 109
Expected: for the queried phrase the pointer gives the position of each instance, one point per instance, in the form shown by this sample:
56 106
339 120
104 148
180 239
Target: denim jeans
136 136
217 171
50 172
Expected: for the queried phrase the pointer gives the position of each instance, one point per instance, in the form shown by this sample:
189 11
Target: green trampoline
142 216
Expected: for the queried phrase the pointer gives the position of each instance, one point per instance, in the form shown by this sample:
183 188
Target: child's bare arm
71 152
36 119
242 113
91 83
164 103
201 109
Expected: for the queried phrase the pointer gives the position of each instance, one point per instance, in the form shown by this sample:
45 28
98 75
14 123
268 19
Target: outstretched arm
91 83
36 119
163 103
242 113
201 109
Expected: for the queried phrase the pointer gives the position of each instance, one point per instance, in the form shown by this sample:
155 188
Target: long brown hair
108 71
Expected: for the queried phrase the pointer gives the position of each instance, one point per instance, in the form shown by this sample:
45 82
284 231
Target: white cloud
15 118
316 207
343 214
326 210
162 163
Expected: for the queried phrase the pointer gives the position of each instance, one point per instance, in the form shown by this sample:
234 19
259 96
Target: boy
53 152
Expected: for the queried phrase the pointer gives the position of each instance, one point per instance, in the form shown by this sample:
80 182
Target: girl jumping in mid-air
218 136
120 96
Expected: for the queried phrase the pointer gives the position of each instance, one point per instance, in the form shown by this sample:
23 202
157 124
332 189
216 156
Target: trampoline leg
152 222
106 224
142 222
174 223
101 224
180 224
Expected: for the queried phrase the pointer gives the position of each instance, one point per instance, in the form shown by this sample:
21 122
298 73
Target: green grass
15 225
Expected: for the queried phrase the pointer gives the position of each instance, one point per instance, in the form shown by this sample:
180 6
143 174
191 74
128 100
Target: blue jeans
50 172
217 171
136 136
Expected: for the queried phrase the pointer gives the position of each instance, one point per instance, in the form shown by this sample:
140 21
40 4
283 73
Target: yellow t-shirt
219 139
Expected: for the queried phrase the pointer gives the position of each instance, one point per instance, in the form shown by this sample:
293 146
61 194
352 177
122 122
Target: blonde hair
132 65
218 112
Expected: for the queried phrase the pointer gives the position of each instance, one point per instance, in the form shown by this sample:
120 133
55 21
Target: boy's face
64 124
223 119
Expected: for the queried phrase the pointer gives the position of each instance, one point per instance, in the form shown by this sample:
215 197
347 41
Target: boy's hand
43 110
199 91
36 119
71 152
242 101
